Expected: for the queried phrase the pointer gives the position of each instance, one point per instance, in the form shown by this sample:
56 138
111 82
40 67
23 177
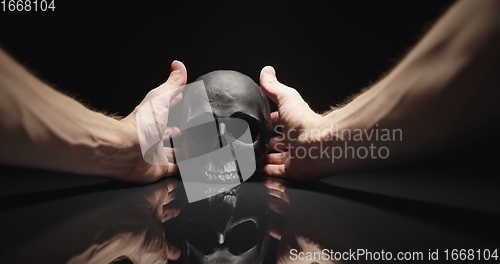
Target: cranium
231 97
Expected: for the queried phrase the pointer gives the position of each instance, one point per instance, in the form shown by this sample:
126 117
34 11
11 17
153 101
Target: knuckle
176 78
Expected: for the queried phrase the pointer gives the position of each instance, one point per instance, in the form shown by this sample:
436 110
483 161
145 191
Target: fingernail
268 70
172 65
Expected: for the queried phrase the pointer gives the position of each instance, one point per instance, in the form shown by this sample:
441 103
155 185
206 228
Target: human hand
295 224
151 161
302 129
162 203
137 232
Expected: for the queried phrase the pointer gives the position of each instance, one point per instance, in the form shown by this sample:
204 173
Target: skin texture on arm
43 128
440 95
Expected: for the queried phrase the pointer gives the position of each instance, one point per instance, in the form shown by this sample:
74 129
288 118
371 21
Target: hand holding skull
299 123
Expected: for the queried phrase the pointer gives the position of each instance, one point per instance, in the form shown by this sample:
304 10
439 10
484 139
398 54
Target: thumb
281 94
276 91
178 74
269 84
173 86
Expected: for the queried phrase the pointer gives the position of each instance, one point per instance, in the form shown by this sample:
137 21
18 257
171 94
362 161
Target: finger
173 154
268 83
171 88
277 158
276 231
170 197
274 184
275 118
278 143
176 100
172 185
169 153
279 206
172 170
288 99
281 196
178 75
173 252
275 90
166 95
169 212
171 131
274 170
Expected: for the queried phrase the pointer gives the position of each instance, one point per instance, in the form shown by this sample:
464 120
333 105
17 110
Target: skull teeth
212 190
222 176
221 168
222 172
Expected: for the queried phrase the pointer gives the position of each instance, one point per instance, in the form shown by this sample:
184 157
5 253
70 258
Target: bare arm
441 93
44 128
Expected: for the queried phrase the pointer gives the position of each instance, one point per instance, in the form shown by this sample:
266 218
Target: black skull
232 97
230 227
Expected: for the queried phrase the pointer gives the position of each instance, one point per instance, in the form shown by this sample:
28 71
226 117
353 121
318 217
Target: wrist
352 134
110 148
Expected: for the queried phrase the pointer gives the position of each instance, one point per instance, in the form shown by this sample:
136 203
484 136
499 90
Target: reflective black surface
55 218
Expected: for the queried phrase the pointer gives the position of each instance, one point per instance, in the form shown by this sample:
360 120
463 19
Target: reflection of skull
231 227
232 97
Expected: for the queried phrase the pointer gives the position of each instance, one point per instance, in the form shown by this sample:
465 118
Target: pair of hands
294 115
147 223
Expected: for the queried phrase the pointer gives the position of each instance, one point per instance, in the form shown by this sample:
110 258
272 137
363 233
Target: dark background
109 55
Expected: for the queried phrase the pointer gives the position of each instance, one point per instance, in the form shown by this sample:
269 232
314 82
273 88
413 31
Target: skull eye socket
253 124
204 128
234 127
201 129
247 230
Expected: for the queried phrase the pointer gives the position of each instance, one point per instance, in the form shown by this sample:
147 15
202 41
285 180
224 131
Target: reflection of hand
296 234
279 203
306 247
133 228
301 232
146 128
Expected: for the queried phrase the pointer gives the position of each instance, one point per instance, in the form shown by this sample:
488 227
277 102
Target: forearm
442 90
46 129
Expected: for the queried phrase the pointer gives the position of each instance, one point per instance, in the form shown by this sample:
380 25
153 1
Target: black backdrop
108 55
